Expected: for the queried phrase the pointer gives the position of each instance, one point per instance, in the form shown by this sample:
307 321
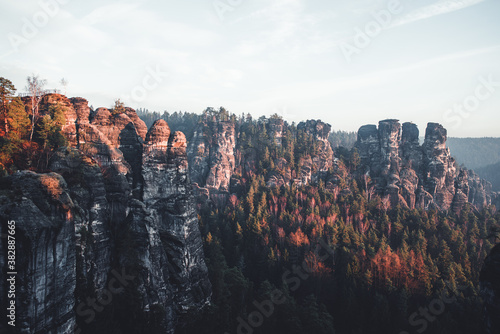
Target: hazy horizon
348 64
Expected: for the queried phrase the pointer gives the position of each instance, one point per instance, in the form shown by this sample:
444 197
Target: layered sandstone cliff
118 203
417 176
219 157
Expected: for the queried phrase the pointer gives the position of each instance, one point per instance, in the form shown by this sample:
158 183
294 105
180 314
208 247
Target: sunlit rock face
212 155
118 200
417 176
218 163
320 163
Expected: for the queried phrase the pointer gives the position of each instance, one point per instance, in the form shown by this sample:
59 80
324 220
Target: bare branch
35 90
64 83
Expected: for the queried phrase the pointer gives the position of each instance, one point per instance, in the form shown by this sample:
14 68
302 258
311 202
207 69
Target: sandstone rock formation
276 128
212 155
218 161
45 251
417 176
118 200
320 163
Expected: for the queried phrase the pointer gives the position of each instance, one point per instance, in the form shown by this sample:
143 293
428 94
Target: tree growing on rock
35 89
50 126
7 91
119 108
15 127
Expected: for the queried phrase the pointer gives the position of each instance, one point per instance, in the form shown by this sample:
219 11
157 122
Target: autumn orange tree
7 91
118 108
16 125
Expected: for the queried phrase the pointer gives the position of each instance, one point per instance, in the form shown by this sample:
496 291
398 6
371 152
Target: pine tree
7 91
17 119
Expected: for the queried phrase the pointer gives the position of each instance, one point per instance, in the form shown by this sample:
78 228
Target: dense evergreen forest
480 154
344 139
177 121
303 259
492 174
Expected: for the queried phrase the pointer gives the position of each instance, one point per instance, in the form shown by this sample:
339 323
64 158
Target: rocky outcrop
87 189
48 104
139 125
439 167
462 189
219 160
44 217
212 159
481 194
417 176
119 203
212 155
322 161
82 109
313 167
154 162
316 128
70 115
172 276
490 290
276 129
411 161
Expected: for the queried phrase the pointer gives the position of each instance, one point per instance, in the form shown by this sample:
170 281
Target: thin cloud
439 8
108 12
443 59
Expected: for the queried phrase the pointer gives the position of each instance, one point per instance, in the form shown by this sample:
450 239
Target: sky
348 63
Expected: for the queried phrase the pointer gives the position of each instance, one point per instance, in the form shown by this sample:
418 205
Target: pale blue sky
262 57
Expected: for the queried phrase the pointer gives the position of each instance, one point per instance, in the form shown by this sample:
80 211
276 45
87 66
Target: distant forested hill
343 138
480 154
177 121
475 153
492 174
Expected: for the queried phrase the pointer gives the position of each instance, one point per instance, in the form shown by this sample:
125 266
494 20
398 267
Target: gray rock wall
119 200
418 176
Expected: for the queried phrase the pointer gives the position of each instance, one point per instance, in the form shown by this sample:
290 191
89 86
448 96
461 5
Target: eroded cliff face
219 160
439 167
212 158
119 202
320 163
45 283
417 176
169 197
481 194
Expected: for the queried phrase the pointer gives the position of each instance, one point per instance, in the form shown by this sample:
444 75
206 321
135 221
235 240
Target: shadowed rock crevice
120 199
